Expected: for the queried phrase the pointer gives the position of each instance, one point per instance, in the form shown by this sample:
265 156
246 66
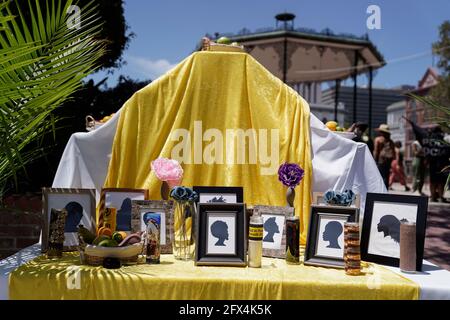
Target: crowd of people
430 154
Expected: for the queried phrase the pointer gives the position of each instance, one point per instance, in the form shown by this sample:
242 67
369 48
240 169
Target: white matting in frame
385 229
221 237
330 240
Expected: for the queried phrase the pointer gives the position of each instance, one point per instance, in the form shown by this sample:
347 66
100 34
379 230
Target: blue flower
183 194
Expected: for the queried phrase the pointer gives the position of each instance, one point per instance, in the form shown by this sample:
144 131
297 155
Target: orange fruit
103 231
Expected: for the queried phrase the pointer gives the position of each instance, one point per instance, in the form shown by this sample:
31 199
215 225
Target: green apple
223 40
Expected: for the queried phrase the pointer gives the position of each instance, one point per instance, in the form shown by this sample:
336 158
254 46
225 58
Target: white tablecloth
434 282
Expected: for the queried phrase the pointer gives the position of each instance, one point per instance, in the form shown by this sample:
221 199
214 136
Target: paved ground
437 242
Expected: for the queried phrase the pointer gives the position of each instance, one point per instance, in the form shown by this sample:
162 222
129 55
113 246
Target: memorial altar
196 113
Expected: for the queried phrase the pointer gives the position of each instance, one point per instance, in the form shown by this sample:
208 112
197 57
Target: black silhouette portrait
333 231
390 226
219 229
271 227
220 199
74 216
124 216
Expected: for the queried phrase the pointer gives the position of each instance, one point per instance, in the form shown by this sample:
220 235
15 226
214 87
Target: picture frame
219 194
318 200
325 241
165 208
274 234
121 199
380 239
80 206
221 233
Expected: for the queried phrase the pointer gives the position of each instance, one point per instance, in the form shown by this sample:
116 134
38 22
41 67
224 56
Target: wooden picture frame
166 208
80 202
135 194
381 227
228 194
217 244
327 225
277 216
318 200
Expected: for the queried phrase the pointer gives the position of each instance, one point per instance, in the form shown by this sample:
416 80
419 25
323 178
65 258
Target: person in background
437 154
397 168
418 166
384 152
359 129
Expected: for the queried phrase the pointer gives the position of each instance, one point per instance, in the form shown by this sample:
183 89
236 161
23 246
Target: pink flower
168 170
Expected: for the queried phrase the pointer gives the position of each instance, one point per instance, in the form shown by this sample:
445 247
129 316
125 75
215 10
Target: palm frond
42 63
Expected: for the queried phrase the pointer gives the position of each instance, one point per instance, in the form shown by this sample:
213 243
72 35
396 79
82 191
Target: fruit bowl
94 255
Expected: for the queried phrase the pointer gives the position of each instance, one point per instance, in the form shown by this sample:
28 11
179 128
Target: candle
408 247
255 238
293 240
352 250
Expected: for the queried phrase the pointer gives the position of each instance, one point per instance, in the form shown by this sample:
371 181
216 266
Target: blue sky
167 31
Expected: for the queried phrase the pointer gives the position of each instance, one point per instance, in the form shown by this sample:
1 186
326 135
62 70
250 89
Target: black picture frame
349 214
394 199
239 258
238 191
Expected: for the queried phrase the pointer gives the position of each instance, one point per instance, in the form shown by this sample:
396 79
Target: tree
441 93
115 31
42 63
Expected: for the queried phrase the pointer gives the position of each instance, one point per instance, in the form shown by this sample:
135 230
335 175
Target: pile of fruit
105 237
334 126
107 118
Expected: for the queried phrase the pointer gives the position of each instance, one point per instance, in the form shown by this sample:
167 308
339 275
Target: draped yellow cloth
226 92
177 280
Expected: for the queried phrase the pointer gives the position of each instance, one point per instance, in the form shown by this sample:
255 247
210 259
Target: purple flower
290 174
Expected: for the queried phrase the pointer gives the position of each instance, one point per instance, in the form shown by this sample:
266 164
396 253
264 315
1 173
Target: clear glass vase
183 235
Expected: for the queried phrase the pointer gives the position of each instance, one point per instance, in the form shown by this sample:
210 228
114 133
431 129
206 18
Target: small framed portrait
380 239
120 199
80 206
325 243
221 235
142 210
274 233
220 194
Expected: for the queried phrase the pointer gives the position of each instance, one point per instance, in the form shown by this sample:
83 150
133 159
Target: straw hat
383 128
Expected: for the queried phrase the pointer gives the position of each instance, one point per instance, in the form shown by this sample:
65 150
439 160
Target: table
434 283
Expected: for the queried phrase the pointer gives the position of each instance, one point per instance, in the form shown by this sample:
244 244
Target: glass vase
183 236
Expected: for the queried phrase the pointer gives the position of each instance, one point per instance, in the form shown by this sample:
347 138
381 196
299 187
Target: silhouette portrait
123 219
333 230
271 227
74 216
219 229
390 226
220 199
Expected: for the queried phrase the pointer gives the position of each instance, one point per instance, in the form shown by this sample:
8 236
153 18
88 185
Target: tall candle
408 252
255 239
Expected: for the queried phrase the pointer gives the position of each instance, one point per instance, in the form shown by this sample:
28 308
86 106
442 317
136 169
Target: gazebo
304 58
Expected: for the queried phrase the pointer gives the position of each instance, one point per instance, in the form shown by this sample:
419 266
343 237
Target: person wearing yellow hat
384 152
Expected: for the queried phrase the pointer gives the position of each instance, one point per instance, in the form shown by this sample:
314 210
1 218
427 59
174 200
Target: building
381 99
304 59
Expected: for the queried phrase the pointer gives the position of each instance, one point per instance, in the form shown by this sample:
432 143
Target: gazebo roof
310 56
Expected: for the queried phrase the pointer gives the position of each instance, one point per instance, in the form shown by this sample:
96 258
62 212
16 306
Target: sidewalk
437 242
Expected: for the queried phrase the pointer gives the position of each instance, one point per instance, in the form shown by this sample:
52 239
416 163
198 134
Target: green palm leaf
42 63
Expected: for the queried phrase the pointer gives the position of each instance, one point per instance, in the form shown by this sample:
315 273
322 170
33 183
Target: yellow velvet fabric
172 279
223 91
